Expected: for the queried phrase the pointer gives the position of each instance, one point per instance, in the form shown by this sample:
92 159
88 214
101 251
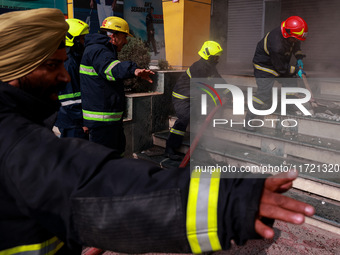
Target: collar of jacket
100 39
16 100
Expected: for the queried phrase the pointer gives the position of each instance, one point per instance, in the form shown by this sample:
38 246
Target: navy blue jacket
101 78
273 53
75 193
200 69
70 113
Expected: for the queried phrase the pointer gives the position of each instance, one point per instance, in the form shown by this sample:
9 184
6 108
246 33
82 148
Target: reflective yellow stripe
108 70
273 72
88 70
259 101
299 33
212 212
102 116
191 213
188 72
299 52
48 247
226 91
68 96
265 44
179 96
177 132
202 212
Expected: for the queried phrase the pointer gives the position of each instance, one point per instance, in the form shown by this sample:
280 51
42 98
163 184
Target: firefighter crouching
272 61
205 67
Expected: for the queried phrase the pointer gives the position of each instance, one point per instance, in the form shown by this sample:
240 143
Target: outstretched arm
144 74
113 6
91 4
276 206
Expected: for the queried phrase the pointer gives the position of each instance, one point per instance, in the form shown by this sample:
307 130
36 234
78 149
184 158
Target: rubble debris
329 112
272 147
334 117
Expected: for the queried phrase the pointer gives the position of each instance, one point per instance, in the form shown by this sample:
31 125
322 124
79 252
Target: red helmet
296 27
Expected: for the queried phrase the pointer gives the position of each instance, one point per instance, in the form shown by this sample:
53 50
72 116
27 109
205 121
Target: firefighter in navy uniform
102 87
272 60
205 67
57 195
70 116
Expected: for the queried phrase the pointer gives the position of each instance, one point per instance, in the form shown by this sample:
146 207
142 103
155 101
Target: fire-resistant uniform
181 98
70 116
272 60
102 89
59 194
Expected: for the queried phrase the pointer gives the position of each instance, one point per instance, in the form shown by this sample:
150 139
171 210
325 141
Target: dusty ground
289 240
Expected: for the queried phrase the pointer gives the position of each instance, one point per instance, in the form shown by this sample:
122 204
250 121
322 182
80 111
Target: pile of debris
330 111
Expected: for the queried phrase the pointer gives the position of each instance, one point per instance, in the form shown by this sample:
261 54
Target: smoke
322 47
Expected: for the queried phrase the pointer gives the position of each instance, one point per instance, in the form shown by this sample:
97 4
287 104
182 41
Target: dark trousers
111 136
265 82
182 108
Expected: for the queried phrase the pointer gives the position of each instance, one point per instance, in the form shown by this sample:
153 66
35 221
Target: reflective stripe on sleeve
299 52
264 69
177 132
72 99
48 247
67 96
259 101
265 44
70 102
108 70
88 70
179 96
102 116
188 72
202 212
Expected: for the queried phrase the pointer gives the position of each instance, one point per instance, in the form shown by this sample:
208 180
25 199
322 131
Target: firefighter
70 117
272 60
57 195
102 87
205 67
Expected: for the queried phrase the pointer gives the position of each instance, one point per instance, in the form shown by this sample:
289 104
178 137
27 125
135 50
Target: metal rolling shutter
244 32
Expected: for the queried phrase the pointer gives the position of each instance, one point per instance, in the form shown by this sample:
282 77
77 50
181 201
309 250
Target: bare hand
86 130
113 6
144 74
276 206
92 4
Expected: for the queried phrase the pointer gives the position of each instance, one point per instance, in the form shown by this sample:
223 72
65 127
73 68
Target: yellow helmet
116 24
76 28
210 48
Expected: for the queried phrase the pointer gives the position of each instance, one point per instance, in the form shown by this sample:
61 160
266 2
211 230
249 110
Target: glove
300 73
299 64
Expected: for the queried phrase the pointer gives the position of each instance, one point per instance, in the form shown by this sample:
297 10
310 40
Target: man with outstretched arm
57 195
